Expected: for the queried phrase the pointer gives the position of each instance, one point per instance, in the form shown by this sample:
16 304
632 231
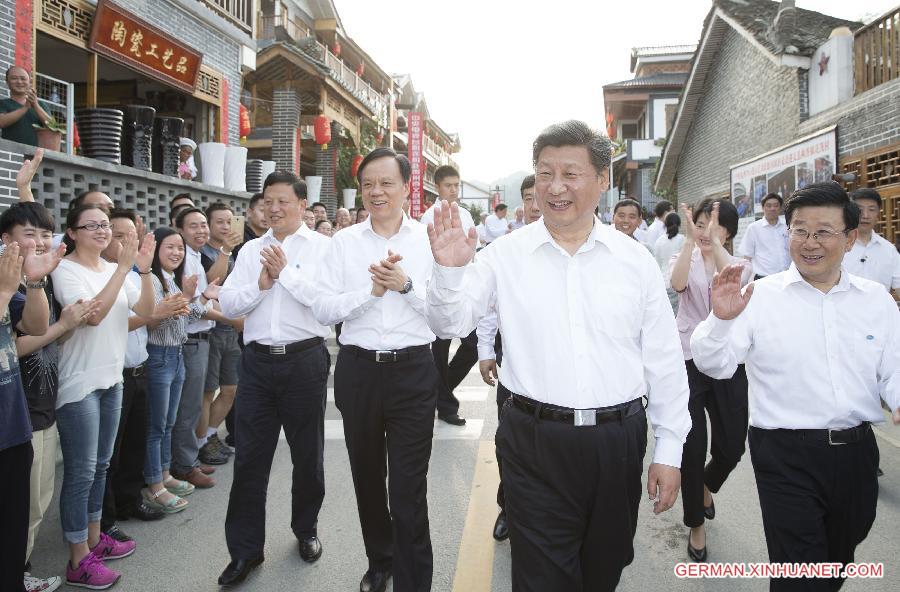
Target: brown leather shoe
207 470
197 478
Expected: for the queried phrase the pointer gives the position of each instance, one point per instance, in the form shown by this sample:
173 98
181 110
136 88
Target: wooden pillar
92 74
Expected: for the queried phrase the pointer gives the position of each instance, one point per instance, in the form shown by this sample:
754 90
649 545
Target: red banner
25 36
416 127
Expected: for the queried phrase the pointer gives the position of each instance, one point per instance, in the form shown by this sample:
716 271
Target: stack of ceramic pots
100 133
254 175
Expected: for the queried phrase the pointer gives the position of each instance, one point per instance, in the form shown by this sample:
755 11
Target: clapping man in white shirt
284 373
765 242
373 280
573 435
821 347
872 256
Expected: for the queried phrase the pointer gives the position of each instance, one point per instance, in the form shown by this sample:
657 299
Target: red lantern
336 48
361 70
354 164
322 126
245 122
611 131
609 118
76 141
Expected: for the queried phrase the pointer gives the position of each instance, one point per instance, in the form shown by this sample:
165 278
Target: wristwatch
407 287
36 285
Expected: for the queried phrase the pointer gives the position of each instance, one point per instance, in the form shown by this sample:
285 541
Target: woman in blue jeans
91 359
165 370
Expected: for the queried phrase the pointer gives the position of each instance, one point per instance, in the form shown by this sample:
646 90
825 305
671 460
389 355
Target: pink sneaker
109 548
91 573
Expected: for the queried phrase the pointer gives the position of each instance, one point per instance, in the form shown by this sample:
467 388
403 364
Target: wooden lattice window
68 19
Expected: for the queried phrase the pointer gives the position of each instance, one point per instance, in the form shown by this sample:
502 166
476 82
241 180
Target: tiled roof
668 79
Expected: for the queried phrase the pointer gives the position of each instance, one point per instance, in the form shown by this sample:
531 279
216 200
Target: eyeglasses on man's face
823 237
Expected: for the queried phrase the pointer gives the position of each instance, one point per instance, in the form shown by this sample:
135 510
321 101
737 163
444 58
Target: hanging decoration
336 48
360 70
322 128
354 164
245 122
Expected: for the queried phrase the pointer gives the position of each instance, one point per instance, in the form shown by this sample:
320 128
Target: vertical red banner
24 35
298 150
223 111
416 127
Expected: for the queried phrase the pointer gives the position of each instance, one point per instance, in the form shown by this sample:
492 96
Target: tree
473 209
343 180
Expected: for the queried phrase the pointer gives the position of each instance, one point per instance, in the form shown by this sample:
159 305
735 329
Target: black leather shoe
118 534
147 513
374 581
879 472
454 419
501 528
238 570
710 511
696 555
310 549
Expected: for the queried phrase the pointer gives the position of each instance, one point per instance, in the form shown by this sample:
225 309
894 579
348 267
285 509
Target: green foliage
343 180
473 209
52 125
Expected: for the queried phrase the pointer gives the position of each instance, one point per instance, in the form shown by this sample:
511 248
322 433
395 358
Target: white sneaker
33 584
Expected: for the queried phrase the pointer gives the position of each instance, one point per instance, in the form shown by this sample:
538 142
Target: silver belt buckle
278 350
385 356
832 442
585 417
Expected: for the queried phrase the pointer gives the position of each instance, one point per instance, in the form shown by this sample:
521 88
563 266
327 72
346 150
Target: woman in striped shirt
165 367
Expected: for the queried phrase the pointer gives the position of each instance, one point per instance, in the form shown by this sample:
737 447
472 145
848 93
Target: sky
498 71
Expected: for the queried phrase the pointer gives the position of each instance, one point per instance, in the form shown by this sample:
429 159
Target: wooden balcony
238 12
876 52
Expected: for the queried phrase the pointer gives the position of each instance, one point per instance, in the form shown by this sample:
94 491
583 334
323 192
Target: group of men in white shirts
579 387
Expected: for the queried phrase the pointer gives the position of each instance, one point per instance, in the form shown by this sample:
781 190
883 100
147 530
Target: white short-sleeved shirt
878 261
92 358
767 246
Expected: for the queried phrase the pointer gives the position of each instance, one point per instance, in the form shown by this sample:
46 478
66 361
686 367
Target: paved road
187 551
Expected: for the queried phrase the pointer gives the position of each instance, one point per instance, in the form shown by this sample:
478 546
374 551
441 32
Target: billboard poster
812 159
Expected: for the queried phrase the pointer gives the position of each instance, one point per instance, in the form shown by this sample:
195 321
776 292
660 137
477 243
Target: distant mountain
509 188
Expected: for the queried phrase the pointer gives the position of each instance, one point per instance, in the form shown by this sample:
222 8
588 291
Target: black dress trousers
572 496
125 477
817 500
503 395
725 401
275 391
453 372
15 503
388 413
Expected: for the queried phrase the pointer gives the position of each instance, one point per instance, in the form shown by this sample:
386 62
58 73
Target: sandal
173 506
179 488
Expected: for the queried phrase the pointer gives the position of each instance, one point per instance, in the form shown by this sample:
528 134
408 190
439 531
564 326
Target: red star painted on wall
823 64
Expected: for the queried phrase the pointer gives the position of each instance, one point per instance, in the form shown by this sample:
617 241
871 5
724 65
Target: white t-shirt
878 261
656 230
767 245
664 248
92 357
465 218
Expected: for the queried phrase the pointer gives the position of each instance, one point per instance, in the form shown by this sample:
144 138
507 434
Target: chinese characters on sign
128 39
416 162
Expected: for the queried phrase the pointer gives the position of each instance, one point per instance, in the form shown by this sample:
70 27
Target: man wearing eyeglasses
820 347
872 256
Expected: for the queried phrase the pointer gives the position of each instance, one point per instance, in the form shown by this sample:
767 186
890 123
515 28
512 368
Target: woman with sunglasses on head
710 225
88 406
165 367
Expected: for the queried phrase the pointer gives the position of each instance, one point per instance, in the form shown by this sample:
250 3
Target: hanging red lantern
354 164
245 122
336 48
609 118
360 70
322 127
76 141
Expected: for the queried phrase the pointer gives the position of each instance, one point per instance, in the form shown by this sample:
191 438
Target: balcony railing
266 24
359 88
876 52
239 12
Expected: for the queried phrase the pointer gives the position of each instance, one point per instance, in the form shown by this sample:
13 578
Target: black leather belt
136 371
577 417
289 348
199 336
387 355
831 437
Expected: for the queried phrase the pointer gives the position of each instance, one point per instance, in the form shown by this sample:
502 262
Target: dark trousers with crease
572 496
15 503
453 372
503 395
125 478
725 401
276 391
388 414
817 500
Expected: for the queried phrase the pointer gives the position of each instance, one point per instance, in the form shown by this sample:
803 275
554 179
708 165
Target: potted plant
49 135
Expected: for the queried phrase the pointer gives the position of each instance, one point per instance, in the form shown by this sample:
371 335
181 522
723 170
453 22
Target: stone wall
750 106
868 121
61 177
